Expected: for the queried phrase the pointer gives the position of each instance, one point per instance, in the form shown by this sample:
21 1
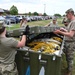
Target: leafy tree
64 15
13 10
35 13
44 14
30 13
57 15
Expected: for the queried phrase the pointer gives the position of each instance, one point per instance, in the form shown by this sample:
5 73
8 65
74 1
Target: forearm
48 24
23 39
69 34
22 42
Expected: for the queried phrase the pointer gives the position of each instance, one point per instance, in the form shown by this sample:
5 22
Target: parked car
2 18
20 17
8 21
17 19
13 19
28 18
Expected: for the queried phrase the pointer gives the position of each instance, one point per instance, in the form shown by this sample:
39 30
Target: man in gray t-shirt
53 23
8 51
69 39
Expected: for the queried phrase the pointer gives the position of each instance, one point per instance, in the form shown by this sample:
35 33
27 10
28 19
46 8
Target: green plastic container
22 60
35 60
39 63
51 64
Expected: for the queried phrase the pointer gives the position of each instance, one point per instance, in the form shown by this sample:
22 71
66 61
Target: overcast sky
48 6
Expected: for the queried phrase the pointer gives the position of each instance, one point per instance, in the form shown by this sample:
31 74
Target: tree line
14 11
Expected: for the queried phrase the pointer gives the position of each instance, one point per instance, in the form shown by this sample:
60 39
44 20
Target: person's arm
69 34
20 23
22 42
48 24
63 29
23 39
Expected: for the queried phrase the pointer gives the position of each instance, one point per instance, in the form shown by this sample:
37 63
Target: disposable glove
27 29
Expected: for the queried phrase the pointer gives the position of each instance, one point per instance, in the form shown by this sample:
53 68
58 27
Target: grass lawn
43 23
35 23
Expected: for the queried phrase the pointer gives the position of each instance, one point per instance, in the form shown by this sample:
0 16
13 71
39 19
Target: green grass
43 23
14 26
36 23
39 23
33 23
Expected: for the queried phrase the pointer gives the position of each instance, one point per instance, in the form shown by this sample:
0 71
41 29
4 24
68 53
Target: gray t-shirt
70 27
51 24
8 49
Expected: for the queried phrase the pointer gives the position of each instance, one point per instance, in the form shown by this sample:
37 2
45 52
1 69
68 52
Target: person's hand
62 29
26 32
57 31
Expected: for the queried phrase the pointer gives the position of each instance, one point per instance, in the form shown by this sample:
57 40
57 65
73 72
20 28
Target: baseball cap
70 10
54 19
2 24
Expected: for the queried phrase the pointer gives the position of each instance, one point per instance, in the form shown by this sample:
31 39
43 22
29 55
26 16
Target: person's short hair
70 10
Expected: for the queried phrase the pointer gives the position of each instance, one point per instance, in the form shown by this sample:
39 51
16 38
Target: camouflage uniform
8 69
69 52
69 46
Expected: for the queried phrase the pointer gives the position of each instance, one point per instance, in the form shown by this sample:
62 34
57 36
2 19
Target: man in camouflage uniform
69 39
8 51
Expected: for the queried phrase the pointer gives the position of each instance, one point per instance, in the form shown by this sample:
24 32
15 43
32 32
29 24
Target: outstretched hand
27 30
57 32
